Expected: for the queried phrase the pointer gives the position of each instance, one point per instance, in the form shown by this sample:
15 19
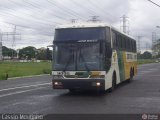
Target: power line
32 17
64 9
38 11
102 10
82 6
154 3
37 21
37 17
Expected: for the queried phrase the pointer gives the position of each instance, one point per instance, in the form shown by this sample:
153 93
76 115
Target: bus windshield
79 49
78 57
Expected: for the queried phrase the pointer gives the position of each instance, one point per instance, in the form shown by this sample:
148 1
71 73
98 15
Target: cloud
36 19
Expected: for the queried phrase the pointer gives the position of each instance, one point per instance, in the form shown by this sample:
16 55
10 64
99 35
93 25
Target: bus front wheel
113 83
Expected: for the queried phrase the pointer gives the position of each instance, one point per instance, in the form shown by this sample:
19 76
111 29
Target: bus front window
78 57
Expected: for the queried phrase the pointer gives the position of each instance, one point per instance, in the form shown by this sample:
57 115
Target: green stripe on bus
121 65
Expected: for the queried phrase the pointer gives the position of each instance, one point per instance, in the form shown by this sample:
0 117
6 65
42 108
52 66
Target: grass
17 69
145 61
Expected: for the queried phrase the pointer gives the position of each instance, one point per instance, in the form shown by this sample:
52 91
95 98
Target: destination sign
87 41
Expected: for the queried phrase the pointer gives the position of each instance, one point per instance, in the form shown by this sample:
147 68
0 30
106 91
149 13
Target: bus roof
113 28
89 25
82 25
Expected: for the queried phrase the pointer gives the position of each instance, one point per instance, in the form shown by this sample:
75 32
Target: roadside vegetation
17 69
145 58
145 61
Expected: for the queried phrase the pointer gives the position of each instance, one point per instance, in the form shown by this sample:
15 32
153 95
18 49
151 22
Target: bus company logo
144 117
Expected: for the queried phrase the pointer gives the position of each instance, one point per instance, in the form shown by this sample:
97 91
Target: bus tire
113 83
131 76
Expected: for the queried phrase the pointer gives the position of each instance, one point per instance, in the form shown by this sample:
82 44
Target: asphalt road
35 95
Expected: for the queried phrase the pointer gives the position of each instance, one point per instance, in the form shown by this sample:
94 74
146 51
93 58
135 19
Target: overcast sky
35 20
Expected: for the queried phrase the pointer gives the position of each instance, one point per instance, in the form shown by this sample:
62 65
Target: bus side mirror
53 48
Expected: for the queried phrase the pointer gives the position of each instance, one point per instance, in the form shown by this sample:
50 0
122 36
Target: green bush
46 71
3 76
145 61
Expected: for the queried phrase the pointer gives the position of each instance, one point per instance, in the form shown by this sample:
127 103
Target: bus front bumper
81 84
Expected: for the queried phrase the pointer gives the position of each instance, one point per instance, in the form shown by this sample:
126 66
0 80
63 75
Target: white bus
92 56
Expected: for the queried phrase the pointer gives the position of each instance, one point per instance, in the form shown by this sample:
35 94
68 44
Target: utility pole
74 20
154 38
94 19
13 34
0 45
156 46
124 26
14 39
139 43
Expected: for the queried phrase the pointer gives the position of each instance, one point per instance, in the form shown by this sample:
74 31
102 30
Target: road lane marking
21 92
28 76
25 86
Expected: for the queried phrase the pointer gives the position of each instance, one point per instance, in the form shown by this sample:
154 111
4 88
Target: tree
41 54
27 53
49 54
8 51
44 54
146 55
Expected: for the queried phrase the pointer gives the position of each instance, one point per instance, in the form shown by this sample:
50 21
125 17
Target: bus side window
123 43
114 39
135 46
119 41
131 45
126 43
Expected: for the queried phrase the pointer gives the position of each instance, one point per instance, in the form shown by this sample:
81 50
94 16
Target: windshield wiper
81 56
70 58
68 62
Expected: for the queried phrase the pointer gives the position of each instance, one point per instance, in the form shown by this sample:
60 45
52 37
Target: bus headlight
98 83
57 83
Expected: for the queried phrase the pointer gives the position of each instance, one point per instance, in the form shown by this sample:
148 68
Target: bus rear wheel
131 76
